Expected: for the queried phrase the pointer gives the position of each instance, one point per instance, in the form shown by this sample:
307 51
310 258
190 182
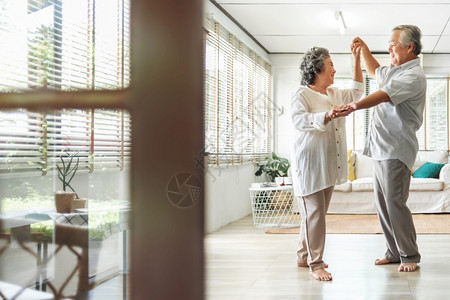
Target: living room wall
227 197
226 188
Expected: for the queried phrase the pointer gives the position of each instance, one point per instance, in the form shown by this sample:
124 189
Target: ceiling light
340 22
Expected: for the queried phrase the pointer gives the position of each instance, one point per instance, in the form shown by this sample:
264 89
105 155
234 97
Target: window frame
238 106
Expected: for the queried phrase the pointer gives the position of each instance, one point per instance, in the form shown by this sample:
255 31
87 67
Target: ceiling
293 26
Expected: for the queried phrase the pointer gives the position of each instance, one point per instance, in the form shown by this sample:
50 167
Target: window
237 99
434 132
357 124
434 135
64 45
64 63
186 29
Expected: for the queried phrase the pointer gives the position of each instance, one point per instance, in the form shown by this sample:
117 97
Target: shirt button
339 167
338 154
312 123
337 142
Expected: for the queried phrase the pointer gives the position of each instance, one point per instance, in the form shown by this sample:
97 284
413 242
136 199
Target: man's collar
411 63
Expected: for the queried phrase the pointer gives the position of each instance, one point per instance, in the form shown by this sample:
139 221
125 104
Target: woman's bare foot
407 267
382 261
321 275
305 265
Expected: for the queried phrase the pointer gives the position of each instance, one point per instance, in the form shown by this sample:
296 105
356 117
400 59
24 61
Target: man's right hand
342 111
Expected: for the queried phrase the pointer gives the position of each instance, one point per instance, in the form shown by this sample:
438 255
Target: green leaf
275 166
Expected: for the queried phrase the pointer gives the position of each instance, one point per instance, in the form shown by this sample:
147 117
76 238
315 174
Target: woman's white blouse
319 153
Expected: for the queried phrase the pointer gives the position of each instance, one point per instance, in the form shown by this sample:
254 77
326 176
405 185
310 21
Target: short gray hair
312 64
410 34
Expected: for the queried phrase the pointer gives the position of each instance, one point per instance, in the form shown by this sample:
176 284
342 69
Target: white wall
227 198
436 64
285 74
211 11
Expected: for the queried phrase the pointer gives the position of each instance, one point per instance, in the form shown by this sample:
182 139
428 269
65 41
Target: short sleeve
403 87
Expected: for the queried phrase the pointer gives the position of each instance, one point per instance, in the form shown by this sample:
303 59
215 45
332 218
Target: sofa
429 188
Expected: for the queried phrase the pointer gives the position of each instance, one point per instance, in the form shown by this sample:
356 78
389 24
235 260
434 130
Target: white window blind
108 139
362 117
21 142
357 124
350 122
68 130
64 44
68 45
434 135
237 102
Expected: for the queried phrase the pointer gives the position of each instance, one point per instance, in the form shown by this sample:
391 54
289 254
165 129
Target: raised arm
370 62
357 72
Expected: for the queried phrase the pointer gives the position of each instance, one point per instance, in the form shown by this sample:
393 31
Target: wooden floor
245 263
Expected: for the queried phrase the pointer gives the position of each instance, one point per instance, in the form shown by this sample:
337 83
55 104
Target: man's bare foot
321 275
305 265
407 267
382 261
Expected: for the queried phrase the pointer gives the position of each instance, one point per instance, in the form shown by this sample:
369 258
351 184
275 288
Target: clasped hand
341 111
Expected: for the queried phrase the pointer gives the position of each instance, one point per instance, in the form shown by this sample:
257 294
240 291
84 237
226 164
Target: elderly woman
319 157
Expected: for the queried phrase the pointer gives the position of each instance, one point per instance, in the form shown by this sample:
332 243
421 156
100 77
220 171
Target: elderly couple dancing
319 154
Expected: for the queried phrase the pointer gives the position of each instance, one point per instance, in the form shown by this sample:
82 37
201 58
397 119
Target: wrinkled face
399 54
326 77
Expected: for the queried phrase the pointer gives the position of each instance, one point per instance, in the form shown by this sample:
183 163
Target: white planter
279 180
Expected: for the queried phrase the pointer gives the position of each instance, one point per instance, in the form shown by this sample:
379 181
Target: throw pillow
428 170
351 164
363 165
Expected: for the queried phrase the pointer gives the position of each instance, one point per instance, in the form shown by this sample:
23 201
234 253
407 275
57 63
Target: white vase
279 180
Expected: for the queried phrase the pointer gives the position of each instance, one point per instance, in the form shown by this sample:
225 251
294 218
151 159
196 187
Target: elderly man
392 142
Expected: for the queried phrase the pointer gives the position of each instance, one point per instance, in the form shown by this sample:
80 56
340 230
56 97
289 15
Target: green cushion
428 170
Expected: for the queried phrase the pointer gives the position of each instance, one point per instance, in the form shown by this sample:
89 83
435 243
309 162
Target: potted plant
270 204
274 167
65 200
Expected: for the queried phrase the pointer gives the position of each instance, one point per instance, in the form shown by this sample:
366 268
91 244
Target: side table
274 207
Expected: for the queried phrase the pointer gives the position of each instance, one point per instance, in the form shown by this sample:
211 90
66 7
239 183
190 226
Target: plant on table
68 200
274 166
68 169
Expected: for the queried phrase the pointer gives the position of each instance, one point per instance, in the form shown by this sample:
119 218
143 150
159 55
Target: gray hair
410 34
312 64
